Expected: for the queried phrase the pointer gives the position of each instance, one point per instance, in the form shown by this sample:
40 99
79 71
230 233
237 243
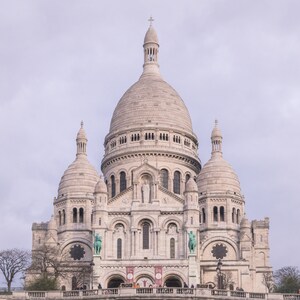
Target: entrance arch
115 282
173 281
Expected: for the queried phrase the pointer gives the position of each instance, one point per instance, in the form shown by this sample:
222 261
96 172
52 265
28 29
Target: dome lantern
151 51
81 141
216 140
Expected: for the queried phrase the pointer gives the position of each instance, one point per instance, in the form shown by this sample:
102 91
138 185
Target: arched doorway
173 281
115 282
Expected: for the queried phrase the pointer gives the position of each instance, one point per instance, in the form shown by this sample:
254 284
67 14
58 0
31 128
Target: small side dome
191 186
217 175
151 36
80 177
100 186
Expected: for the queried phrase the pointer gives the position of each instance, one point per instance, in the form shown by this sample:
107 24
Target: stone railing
154 293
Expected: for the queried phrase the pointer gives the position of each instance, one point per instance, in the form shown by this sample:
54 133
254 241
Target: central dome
151 102
150 120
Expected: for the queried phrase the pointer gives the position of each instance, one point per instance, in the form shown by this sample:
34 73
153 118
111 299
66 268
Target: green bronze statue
192 241
97 244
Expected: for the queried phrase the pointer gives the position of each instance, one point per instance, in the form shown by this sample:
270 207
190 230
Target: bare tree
267 280
47 262
12 262
287 280
81 276
227 279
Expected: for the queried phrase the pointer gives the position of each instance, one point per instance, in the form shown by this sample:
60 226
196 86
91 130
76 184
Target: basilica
157 216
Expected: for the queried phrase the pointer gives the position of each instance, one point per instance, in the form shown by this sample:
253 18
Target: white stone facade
152 195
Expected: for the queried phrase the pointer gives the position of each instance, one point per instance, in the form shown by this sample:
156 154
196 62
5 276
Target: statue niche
146 188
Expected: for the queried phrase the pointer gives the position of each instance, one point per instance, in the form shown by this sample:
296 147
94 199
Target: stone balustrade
154 293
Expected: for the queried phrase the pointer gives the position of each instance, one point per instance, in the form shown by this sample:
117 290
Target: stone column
193 270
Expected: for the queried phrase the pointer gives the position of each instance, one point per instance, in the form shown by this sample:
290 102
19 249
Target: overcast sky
66 61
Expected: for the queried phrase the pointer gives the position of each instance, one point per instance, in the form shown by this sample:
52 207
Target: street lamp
220 275
92 275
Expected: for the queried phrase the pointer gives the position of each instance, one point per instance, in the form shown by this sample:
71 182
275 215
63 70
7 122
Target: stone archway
115 282
173 281
145 281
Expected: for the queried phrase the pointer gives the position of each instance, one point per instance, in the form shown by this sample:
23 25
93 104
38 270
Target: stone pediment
122 200
168 198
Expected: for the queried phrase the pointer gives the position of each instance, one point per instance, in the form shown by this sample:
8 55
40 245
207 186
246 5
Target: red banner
158 276
129 274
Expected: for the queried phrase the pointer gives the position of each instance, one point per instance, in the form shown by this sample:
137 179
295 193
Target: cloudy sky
66 61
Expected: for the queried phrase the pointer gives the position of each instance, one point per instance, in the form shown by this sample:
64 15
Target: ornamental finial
150 20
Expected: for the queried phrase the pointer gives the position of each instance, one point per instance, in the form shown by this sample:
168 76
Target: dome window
233 215
222 214
215 212
81 214
149 136
135 137
123 140
113 144
74 215
203 216
163 136
187 142
63 217
123 182
176 182
238 216
164 177
176 139
113 186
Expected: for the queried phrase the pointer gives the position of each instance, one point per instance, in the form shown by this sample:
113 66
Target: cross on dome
150 20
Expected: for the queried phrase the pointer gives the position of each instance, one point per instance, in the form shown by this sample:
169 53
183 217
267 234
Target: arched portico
173 281
115 281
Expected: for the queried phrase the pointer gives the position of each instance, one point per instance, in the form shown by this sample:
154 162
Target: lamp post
92 275
220 275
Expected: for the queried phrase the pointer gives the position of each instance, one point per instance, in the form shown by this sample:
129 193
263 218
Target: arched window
74 283
113 185
203 215
165 178
172 248
176 182
222 214
119 248
81 213
74 215
146 235
238 214
233 215
215 214
64 217
59 218
187 177
123 183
